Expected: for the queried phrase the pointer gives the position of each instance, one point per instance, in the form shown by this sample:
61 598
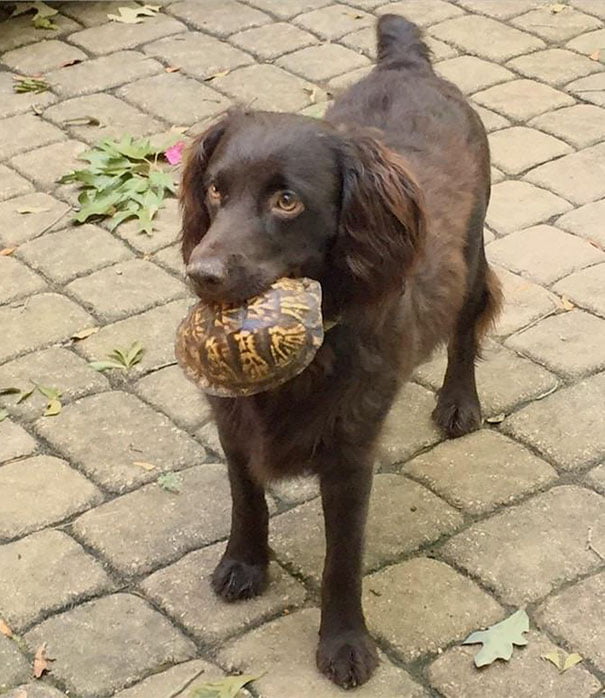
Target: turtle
236 350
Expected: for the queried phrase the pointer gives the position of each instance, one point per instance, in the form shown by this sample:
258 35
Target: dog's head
267 195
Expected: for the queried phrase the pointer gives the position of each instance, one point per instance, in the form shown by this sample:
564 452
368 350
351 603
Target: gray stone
403 516
121 431
183 591
19 31
296 490
592 7
481 471
12 184
28 506
516 149
40 320
503 9
491 120
586 43
283 652
182 678
334 21
102 73
174 98
44 166
555 66
342 82
566 427
470 73
15 442
585 288
422 12
320 63
531 549
14 668
468 34
574 615
272 40
580 125
92 13
72 252
43 573
116 36
42 57
570 343
135 285
555 26
517 205
154 329
12 102
35 690
362 41
219 17
208 435
408 427
596 478
19 227
437 604
133 639
55 367
589 89
115 116
170 392
522 99
586 221
543 253
579 177
454 674
33 133
524 302
159 525
293 7
16 280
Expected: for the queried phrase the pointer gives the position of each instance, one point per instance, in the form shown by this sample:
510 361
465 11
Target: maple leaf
498 639
229 687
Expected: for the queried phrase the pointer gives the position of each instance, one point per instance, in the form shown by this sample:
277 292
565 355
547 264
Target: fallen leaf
32 209
220 74
24 394
105 365
566 304
571 660
83 334
496 419
172 69
557 7
4 629
7 251
44 23
53 408
41 661
595 55
171 482
498 639
174 154
228 687
9 391
74 61
82 121
3 415
562 661
24 84
50 393
143 464
134 15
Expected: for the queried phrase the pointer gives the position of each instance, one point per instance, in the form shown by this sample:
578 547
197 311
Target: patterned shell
238 350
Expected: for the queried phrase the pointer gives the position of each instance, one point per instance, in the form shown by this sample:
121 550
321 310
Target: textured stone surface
585 288
436 613
555 66
12 184
589 89
43 573
14 667
15 442
481 471
531 549
12 103
159 525
283 651
42 57
35 690
332 22
272 40
516 149
454 674
184 591
522 99
132 638
219 17
121 431
318 63
596 478
421 12
554 426
403 516
185 676
555 26
33 133
585 43
471 74
19 31
580 125
586 221
27 506
16 280
19 227
44 166
503 9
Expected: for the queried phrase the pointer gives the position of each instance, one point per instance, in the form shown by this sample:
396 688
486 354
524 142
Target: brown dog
383 202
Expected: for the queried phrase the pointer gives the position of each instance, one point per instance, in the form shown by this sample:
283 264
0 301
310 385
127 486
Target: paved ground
109 569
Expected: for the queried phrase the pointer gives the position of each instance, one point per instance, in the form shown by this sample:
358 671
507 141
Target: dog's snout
209 273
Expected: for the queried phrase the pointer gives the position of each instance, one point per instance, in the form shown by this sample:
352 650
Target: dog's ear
382 221
195 216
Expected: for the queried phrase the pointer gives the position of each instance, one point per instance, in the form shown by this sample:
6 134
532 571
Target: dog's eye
214 194
287 202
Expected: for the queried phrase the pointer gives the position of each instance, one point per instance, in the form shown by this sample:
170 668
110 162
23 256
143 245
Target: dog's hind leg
458 411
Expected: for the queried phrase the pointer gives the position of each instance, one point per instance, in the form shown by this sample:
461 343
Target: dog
383 202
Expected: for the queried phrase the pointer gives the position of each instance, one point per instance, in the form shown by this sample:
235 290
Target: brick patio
109 569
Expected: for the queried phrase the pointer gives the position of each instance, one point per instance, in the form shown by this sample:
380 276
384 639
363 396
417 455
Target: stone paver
27 507
531 549
132 638
43 573
121 431
184 591
283 651
158 524
112 570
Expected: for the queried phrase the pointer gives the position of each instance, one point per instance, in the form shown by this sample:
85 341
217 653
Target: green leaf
162 180
135 354
171 482
50 393
53 408
9 391
105 365
498 640
229 687
571 660
3 415
555 658
562 661
24 395
44 23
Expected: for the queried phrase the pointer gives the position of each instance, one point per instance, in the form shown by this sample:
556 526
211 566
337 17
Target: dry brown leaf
566 304
83 334
6 251
4 629
172 69
220 74
74 61
595 55
41 661
143 464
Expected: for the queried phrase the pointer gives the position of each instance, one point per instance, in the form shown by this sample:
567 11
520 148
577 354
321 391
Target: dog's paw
233 580
457 415
348 659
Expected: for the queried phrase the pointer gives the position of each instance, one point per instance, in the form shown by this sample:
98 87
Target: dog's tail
400 44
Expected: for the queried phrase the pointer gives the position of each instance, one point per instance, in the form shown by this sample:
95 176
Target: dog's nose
208 273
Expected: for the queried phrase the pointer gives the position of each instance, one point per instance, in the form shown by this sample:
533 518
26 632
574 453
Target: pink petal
174 154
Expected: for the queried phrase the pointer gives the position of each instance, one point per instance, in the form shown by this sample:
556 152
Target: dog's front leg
346 653
242 572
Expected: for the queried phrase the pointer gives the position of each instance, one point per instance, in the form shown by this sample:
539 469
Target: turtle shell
237 350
